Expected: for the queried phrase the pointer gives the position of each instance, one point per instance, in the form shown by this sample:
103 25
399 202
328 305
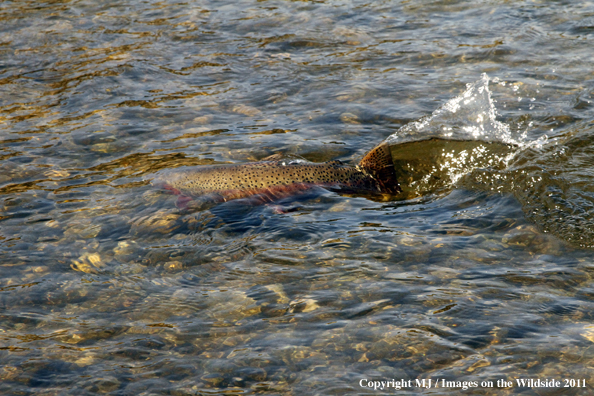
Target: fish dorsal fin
335 162
288 158
273 157
378 162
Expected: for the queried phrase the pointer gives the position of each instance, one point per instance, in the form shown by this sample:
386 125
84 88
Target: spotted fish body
272 179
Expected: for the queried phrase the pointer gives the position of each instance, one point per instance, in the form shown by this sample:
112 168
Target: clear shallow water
106 287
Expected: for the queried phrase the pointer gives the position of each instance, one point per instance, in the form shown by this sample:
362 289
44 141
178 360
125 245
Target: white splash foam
469 116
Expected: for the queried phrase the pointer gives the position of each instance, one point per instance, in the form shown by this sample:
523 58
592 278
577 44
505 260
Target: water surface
481 274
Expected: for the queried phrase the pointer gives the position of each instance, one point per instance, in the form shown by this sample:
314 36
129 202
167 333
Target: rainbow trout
272 178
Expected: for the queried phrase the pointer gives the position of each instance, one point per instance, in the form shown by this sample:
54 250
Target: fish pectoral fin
182 201
204 202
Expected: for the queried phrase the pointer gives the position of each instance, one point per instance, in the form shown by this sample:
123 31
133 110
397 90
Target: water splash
431 155
554 184
463 144
469 116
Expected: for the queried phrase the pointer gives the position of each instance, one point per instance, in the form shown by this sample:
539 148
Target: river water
479 272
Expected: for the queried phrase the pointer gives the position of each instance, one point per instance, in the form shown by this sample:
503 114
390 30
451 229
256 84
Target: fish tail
378 162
